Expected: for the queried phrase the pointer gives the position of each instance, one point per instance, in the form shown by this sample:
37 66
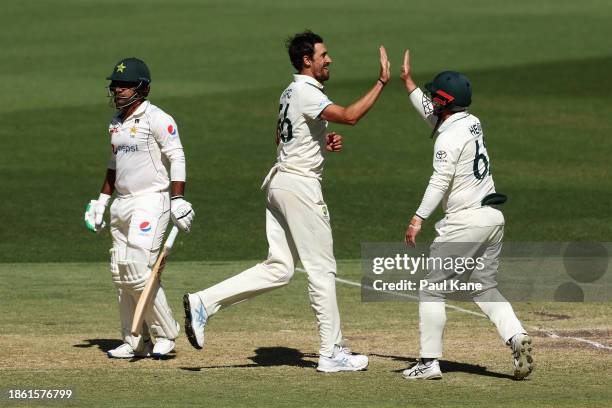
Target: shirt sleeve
313 101
445 158
112 161
166 134
423 106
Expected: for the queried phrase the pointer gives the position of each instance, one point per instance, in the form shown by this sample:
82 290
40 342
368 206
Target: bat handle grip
171 237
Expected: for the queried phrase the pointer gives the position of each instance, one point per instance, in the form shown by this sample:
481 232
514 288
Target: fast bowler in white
297 219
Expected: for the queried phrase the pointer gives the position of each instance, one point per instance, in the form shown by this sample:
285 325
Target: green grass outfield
540 70
59 319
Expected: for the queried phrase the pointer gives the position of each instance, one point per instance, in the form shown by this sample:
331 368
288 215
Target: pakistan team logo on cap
121 67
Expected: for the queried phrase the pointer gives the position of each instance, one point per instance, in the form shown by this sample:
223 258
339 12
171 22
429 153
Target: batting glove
182 213
94 213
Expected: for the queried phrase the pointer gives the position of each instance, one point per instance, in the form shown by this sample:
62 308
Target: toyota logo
440 155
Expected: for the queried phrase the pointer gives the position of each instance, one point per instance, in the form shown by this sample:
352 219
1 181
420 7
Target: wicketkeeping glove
94 213
182 213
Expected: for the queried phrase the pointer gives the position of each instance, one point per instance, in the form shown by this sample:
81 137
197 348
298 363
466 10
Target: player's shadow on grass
104 345
270 357
451 367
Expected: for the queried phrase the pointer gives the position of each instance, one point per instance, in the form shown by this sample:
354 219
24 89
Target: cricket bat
150 288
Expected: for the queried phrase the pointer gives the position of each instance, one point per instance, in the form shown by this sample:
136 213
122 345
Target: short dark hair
302 44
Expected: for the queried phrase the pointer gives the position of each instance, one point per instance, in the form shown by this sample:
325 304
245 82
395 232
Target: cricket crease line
548 333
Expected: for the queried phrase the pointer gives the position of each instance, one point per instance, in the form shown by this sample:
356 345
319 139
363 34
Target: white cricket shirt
146 151
462 167
302 131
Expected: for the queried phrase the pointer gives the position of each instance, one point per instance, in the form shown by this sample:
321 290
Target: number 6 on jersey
284 126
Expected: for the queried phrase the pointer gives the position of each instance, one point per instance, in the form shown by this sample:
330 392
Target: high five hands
385 66
406 73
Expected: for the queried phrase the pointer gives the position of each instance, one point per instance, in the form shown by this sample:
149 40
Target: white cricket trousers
138 224
477 233
298 228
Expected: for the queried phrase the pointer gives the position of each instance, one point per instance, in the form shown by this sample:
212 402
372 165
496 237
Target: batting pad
134 274
127 306
159 317
126 273
114 266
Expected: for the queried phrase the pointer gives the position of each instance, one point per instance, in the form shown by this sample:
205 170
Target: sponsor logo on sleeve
441 156
145 226
476 129
287 94
171 130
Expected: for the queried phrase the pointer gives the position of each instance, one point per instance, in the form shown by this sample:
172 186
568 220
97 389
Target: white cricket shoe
521 351
423 371
126 351
195 319
162 347
342 360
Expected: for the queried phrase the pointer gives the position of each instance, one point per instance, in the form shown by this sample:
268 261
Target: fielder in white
147 171
297 218
462 181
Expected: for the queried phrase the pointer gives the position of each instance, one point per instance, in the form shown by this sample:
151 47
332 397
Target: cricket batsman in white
462 181
297 218
147 171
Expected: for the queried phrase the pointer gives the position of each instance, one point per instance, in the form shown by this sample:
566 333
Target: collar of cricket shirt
138 112
452 119
308 79
141 108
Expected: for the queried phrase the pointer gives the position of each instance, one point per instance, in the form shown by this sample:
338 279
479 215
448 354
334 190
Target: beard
323 74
